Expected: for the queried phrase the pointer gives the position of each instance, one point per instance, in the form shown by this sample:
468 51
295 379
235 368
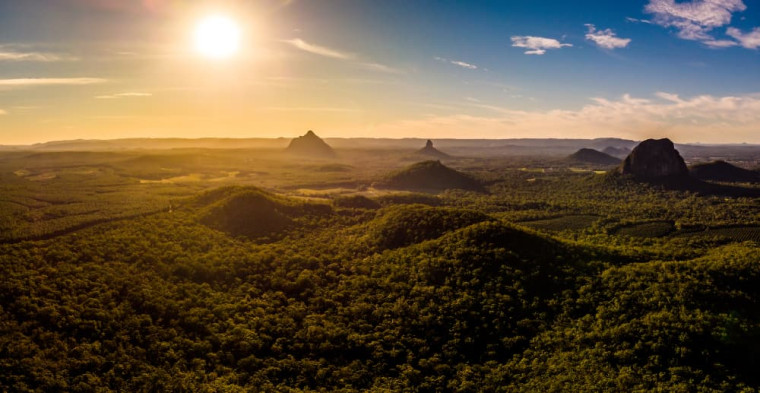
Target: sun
217 37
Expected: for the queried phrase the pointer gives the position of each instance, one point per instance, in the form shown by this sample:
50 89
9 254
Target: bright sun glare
217 37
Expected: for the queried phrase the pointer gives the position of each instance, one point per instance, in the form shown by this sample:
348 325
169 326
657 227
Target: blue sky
688 70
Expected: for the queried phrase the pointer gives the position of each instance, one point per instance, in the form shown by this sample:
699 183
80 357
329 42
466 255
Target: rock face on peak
591 156
310 145
431 151
654 158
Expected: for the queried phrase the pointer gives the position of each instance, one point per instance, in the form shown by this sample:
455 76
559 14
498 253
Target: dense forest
543 279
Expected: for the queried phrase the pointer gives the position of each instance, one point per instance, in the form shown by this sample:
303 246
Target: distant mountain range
341 143
454 147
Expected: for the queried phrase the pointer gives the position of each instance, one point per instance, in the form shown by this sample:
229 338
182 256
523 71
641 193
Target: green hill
402 225
723 172
591 156
430 176
253 213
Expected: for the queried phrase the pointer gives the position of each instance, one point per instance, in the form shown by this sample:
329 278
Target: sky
637 69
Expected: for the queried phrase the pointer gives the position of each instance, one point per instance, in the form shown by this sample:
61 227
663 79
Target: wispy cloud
606 38
341 55
158 6
381 68
750 40
703 118
3 112
536 45
123 95
9 54
30 82
694 20
319 50
634 20
720 43
464 65
458 63
306 109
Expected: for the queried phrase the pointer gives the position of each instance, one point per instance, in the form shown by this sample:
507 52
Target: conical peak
310 145
429 143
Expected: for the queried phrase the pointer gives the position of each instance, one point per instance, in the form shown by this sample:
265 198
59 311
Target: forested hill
401 298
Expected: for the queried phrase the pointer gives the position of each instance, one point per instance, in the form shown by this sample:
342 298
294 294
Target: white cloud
2 112
750 40
695 19
28 82
669 96
720 43
123 95
606 38
536 45
464 65
319 50
458 63
703 118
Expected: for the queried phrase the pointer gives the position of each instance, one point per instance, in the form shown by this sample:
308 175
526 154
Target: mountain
653 159
254 213
723 172
310 145
619 152
402 225
431 151
591 156
430 176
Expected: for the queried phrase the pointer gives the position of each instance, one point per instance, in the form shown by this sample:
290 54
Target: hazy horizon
107 69
288 138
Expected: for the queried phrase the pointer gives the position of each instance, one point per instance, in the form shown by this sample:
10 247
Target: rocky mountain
723 172
431 151
591 156
653 159
310 145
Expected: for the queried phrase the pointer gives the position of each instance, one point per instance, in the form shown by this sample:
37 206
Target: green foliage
647 229
409 198
738 233
656 326
574 222
254 213
356 202
404 225
553 281
432 176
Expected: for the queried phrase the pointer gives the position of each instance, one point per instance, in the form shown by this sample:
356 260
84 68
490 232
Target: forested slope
348 302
